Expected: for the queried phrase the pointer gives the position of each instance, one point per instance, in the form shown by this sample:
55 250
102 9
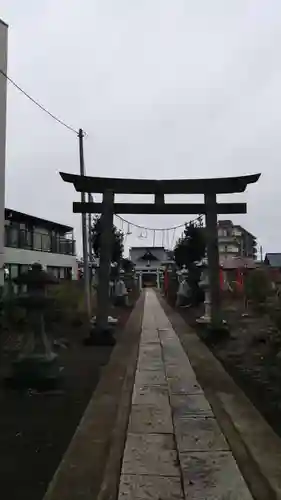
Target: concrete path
174 449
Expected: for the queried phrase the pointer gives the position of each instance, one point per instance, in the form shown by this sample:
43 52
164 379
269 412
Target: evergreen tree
117 248
190 247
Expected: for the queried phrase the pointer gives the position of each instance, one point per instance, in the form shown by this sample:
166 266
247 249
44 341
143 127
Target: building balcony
227 239
32 240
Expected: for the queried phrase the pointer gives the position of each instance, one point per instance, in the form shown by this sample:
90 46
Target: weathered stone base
100 337
35 371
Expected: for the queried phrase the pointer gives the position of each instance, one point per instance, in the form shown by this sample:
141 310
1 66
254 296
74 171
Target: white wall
28 257
3 100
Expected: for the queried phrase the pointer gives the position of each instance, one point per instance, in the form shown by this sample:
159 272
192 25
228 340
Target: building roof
148 255
3 22
227 223
16 216
273 259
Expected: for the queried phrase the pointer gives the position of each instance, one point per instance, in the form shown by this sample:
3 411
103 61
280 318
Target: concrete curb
90 467
255 446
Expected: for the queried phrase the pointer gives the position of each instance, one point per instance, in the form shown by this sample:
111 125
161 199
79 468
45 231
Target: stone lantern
205 286
120 291
36 365
183 289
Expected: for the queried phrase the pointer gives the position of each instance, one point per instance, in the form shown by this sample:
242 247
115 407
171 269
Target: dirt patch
35 429
251 356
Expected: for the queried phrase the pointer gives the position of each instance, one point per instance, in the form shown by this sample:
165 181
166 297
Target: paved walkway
175 449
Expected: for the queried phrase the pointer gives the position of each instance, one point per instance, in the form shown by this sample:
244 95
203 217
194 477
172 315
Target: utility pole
90 200
84 231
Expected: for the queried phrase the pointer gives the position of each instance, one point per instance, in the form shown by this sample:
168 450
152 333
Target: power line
157 228
58 120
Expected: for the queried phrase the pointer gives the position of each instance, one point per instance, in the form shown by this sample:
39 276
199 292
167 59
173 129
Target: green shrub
257 287
69 302
13 316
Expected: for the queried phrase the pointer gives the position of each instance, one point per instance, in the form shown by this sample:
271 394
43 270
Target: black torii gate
108 187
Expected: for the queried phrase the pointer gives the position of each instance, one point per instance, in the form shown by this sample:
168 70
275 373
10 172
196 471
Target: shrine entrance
210 188
149 279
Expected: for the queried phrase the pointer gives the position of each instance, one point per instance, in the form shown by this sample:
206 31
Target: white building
3 101
148 263
235 241
30 239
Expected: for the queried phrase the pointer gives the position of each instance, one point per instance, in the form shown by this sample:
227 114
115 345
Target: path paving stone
212 476
152 454
176 370
146 378
150 419
174 354
199 434
172 433
166 333
149 336
150 364
183 385
150 350
190 405
133 487
156 396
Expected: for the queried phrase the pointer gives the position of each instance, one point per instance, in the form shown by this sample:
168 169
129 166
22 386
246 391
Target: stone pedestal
36 370
102 336
206 318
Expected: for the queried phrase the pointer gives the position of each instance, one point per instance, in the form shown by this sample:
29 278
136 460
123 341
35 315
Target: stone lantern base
101 337
206 318
35 371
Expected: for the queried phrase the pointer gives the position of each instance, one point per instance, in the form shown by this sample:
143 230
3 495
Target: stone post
158 279
140 281
213 259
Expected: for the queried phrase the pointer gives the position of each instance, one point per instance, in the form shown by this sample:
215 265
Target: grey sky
164 88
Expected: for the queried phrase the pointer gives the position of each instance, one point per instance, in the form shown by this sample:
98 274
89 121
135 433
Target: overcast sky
163 88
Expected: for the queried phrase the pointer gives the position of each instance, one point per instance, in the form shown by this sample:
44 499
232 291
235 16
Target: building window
37 241
12 236
46 243
14 271
222 232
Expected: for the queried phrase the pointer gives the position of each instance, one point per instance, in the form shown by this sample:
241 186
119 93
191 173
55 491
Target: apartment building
29 239
3 106
235 241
